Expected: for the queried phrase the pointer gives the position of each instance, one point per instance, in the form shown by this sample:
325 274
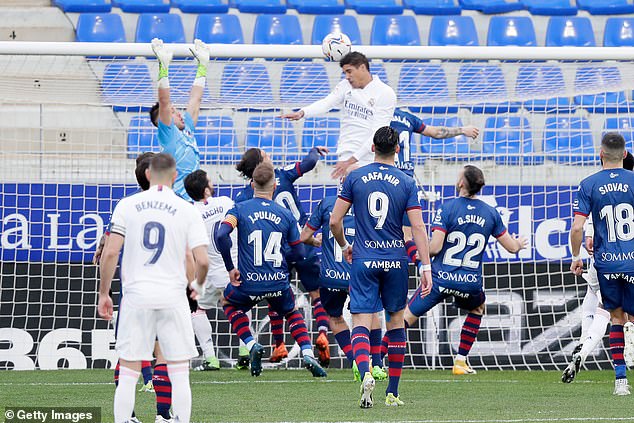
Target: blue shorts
333 299
308 272
462 299
377 284
282 302
617 290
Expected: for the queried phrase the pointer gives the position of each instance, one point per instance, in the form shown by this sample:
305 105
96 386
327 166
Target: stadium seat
324 25
166 26
83 6
565 31
126 86
511 31
274 135
568 139
217 140
394 30
624 126
606 7
201 6
551 7
433 7
142 6
142 136
277 29
492 6
619 32
246 85
375 7
181 79
102 28
597 77
303 83
452 31
540 81
423 87
456 148
317 7
322 131
258 6
221 29
476 82
509 140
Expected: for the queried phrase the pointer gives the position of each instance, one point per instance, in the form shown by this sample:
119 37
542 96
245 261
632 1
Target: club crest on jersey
613 175
471 207
371 102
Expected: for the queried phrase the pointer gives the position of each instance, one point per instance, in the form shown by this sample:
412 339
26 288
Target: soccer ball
336 45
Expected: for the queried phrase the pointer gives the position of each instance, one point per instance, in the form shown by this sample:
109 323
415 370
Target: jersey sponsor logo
265 277
383 264
265 215
613 187
213 212
265 296
458 277
472 218
607 256
378 176
155 205
335 274
357 110
453 292
616 276
383 244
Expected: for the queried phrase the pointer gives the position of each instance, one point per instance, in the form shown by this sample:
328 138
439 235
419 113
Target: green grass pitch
293 395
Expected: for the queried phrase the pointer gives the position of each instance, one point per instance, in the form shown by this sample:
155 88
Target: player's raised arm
201 53
319 107
312 226
442 132
164 56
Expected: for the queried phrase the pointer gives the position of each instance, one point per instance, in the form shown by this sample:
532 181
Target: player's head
162 170
356 67
471 180
628 161
612 148
198 185
263 182
250 160
142 164
386 141
177 117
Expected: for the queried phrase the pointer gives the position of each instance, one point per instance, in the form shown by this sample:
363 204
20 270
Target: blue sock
375 347
360 340
343 339
146 371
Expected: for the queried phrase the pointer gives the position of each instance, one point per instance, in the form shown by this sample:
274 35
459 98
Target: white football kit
158 226
363 111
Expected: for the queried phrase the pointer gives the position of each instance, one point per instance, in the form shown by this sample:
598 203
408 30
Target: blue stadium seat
201 6
551 7
166 26
539 81
423 87
317 7
568 31
509 140
375 7
478 82
217 140
102 28
624 126
258 6
452 31
83 6
274 135
619 32
322 131
181 80
326 24
606 7
246 84
142 136
394 30
303 83
142 6
433 7
277 29
492 6
126 86
594 78
456 148
511 31
220 29
568 139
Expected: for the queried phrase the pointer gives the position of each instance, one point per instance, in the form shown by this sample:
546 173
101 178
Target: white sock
588 307
202 329
181 391
460 357
124 394
308 352
596 332
242 344
250 344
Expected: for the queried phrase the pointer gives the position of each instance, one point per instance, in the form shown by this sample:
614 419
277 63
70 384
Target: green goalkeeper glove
201 53
164 56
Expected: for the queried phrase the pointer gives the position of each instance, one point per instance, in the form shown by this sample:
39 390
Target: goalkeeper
176 130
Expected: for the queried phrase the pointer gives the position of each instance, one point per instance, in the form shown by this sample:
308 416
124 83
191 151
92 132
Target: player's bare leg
468 335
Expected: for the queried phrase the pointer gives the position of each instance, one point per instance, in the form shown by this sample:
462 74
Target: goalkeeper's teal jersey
182 146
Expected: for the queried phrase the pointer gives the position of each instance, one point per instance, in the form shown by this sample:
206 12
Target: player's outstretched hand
425 283
470 131
347 254
294 115
576 267
234 277
317 240
523 241
322 150
590 245
162 53
201 52
342 168
105 307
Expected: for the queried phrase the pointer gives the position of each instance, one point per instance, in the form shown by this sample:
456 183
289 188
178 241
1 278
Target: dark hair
249 161
162 162
356 59
142 163
474 178
263 174
154 112
385 141
196 183
628 161
613 146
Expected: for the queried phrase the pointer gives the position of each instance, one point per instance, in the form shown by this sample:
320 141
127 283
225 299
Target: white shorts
138 328
212 297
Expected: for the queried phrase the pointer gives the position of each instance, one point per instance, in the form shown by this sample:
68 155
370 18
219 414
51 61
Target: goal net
73 117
